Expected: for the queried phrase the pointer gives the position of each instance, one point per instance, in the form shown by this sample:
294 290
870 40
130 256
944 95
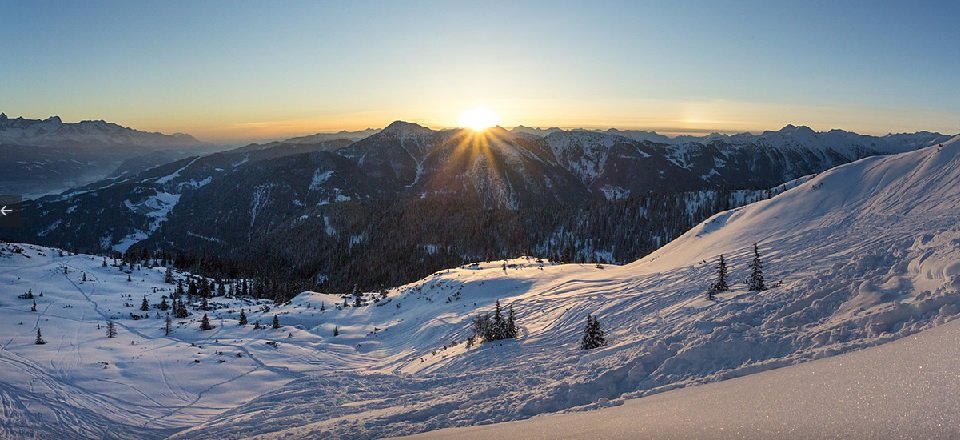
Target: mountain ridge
571 196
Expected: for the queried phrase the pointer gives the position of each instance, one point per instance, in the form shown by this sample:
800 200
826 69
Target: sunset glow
478 119
580 65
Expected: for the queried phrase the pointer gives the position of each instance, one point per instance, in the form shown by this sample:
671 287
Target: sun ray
478 119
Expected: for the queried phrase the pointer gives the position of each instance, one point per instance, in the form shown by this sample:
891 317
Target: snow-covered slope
905 389
863 254
860 255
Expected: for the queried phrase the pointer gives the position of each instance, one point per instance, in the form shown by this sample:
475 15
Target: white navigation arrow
4 210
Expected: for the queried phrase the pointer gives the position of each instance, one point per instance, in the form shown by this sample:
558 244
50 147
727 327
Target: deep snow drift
859 255
905 389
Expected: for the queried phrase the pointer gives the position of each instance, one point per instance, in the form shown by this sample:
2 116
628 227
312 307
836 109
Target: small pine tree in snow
756 271
111 329
336 331
721 284
592 335
276 322
104 262
128 278
205 323
257 326
144 305
357 297
243 317
34 307
322 306
168 276
511 331
167 326
497 329
204 304
84 277
39 340
180 309
163 306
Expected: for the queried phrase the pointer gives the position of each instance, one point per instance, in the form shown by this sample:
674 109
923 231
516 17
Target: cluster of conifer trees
755 282
487 328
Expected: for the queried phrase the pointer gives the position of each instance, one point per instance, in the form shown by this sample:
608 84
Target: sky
233 71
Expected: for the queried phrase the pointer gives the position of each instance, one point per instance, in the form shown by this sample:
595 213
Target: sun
478 119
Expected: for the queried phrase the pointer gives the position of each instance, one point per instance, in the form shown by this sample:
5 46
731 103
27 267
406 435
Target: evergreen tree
243 317
163 304
111 329
357 297
481 324
721 284
276 322
586 342
257 326
336 331
756 271
34 307
180 309
84 277
205 323
497 329
145 305
128 278
221 290
39 340
487 328
592 335
322 307
168 276
511 324
192 289
104 262
167 326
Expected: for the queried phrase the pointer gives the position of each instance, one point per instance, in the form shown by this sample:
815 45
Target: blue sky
245 70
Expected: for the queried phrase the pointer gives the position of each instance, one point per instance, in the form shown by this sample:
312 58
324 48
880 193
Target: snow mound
905 389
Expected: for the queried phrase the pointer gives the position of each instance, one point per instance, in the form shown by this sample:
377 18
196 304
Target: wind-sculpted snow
863 254
860 255
906 389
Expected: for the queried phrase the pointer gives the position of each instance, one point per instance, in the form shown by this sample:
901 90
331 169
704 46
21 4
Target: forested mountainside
408 200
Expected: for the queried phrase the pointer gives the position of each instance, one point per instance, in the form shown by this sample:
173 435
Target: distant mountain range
43 156
407 200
